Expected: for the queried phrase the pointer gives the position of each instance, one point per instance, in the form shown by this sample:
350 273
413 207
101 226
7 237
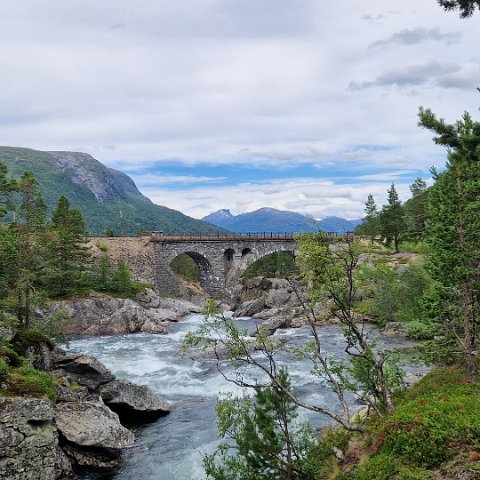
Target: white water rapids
172 447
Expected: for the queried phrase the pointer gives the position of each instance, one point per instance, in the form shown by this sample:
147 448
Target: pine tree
8 238
454 227
68 256
30 225
370 221
416 210
466 7
7 186
121 281
392 219
268 444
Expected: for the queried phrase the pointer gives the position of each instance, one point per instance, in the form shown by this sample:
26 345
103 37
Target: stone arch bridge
221 259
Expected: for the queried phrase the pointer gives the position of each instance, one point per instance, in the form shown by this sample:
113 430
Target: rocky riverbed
104 315
84 427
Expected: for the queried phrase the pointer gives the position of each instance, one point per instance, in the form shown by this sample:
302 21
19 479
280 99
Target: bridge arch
248 260
221 261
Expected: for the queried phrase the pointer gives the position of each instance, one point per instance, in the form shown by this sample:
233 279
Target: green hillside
100 193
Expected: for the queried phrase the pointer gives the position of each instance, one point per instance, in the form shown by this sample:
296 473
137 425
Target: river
172 447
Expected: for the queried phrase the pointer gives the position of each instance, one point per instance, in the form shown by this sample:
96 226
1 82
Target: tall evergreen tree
7 186
67 254
416 210
8 240
392 221
30 224
370 221
454 227
466 7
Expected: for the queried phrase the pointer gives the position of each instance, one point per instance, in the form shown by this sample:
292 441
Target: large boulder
133 402
91 424
29 441
82 369
273 300
104 315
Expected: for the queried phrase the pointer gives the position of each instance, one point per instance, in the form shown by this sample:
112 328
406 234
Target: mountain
219 217
278 221
102 194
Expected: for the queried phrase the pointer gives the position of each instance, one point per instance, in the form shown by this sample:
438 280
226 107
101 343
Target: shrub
385 467
435 420
421 330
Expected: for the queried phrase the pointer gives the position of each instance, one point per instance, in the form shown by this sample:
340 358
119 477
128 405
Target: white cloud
304 195
257 83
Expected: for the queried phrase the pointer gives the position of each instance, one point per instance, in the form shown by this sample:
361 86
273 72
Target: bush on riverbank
434 433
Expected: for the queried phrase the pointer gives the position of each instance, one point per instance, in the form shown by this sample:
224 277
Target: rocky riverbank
100 314
275 301
84 427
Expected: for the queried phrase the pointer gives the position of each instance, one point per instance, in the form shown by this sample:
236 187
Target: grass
435 428
434 434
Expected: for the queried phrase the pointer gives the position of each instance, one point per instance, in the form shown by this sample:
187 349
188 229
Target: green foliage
26 381
7 186
465 7
397 297
67 256
267 445
117 279
415 211
421 247
186 267
392 222
275 265
371 225
454 228
381 285
434 421
386 467
421 329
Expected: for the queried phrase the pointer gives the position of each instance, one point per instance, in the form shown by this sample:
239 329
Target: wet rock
93 457
91 424
28 440
133 402
82 369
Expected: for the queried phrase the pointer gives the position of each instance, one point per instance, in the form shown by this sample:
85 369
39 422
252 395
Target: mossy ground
433 434
17 376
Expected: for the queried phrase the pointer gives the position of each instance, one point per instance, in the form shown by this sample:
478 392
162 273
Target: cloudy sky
304 105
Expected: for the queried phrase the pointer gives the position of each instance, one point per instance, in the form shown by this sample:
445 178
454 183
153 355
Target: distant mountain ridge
107 198
278 221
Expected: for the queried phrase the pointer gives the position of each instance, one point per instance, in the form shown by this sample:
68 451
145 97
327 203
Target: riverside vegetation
430 431
42 260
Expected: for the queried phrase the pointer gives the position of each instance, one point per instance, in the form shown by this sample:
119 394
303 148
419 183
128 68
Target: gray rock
28 440
83 370
250 308
91 457
7 333
133 399
91 424
103 315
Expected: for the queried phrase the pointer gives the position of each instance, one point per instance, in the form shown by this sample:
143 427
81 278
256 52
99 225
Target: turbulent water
172 448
